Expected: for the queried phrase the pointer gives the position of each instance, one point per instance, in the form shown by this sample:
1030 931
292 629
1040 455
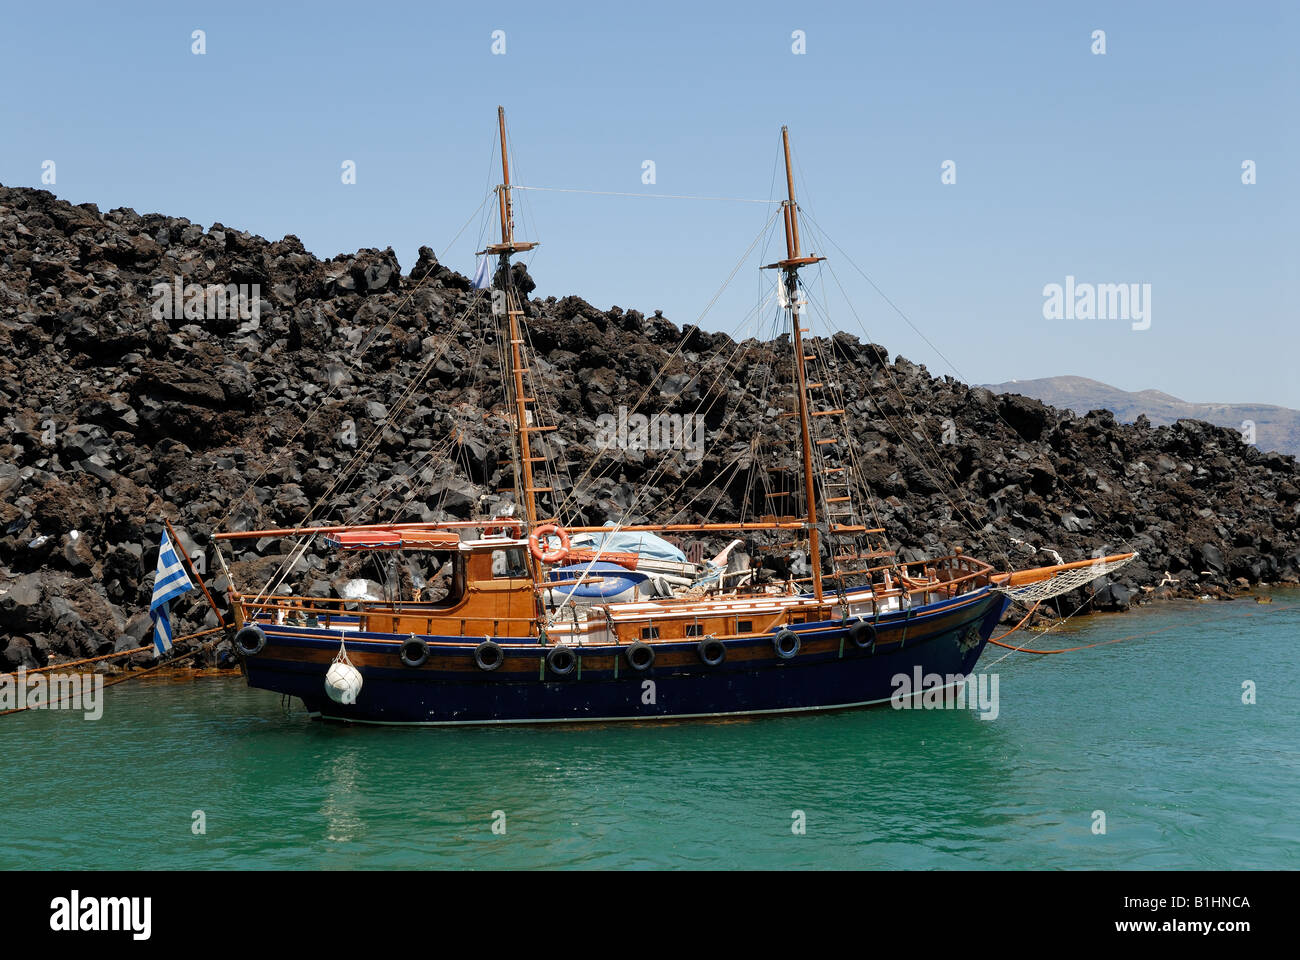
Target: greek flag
169 582
483 275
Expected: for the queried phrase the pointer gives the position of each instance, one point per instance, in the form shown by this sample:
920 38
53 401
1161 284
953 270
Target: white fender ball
343 683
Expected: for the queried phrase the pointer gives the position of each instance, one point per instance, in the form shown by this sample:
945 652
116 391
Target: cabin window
441 578
649 633
509 564
694 630
744 626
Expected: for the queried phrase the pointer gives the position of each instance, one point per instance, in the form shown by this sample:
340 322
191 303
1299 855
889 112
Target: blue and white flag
169 582
483 275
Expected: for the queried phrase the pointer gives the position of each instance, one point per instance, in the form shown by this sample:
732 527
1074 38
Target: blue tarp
644 544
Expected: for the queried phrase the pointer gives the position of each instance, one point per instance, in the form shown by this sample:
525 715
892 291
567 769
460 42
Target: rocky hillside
1276 428
114 415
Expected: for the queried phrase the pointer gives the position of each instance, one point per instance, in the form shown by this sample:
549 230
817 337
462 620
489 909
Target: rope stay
645 196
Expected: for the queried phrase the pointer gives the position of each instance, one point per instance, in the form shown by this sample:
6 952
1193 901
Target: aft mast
789 268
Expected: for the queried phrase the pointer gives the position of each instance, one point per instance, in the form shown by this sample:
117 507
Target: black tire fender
488 655
863 635
413 651
250 640
712 651
561 660
786 644
640 656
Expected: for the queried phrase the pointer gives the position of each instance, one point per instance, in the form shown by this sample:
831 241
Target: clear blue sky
1117 168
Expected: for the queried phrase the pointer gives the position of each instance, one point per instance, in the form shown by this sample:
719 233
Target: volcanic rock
315 411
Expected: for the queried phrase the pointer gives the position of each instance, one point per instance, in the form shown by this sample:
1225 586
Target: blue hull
828 672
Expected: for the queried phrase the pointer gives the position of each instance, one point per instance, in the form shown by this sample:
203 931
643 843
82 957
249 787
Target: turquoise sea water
1151 731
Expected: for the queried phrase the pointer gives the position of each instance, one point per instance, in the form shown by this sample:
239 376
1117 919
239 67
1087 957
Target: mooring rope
107 656
1017 626
1100 643
130 676
77 663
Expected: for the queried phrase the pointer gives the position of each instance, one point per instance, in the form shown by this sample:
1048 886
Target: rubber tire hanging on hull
416 658
640 656
712 651
494 655
786 644
250 640
561 660
863 636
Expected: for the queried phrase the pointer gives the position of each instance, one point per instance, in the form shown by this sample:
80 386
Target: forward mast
789 268
525 487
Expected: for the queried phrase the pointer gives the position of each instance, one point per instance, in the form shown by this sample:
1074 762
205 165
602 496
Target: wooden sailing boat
535 627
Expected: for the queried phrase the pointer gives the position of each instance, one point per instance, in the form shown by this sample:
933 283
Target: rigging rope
849 260
687 332
922 458
362 347
646 196
350 471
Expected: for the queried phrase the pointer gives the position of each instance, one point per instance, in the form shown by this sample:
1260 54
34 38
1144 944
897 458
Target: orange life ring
546 530
501 525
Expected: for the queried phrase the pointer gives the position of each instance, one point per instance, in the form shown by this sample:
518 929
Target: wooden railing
332 613
943 578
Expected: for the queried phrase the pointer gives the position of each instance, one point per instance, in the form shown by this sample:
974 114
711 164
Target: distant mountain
1276 428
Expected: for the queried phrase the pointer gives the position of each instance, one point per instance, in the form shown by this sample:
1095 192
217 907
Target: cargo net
1063 582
